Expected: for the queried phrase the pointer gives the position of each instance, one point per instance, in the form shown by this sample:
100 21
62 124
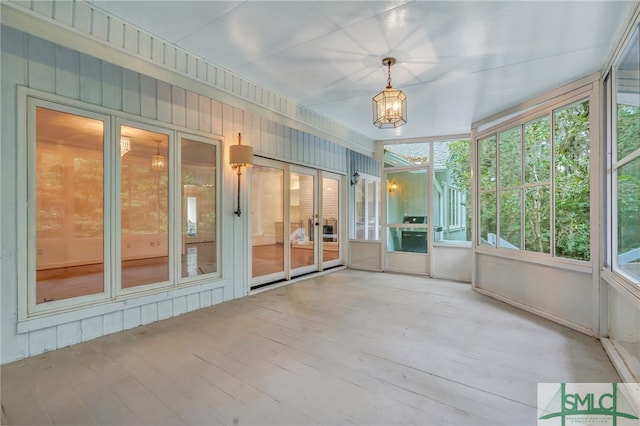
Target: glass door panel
407 224
267 224
303 220
330 219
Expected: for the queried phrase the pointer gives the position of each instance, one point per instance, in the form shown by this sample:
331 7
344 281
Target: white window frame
614 165
560 99
31 315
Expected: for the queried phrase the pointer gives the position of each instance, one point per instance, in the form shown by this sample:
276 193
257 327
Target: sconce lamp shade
390 108
240 156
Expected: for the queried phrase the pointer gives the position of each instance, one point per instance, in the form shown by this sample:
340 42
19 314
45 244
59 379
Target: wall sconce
125 145
158 162
240 156
392 186
356 178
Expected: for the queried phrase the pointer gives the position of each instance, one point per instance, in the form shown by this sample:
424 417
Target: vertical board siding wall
118 34
363 164
39 64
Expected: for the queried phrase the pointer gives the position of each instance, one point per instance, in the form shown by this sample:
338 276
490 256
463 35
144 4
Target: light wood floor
348 347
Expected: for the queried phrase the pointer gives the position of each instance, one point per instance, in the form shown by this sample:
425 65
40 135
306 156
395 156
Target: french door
295 221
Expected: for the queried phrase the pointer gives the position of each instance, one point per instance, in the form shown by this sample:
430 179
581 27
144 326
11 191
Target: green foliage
628 129
459 163
572 205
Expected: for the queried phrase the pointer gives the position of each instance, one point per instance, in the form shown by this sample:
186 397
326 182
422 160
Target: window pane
413 240
510 155
360 209
69 206
537 223
301 211
198 208
372 223
144 198
510 222
267 221
571 151
629 219
407 196
537 150
330 219
628 98
367 208
487 164
409 154
452 191
488 227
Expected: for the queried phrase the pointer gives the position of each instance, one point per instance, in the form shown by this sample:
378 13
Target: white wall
452 263
562 295
621 326
180 99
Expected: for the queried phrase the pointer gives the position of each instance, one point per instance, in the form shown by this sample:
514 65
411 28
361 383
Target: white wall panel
42 341
100 24
91 328
452 263
132 317
179 106
149 313
148 96
560 294
165 309
67 73
42 63
64 12
131 38
111 86
193 302
179 305
82 16
68 334
131 92
206 298
365 255
90 80
192 106
163 101
144 45
204 114
113 322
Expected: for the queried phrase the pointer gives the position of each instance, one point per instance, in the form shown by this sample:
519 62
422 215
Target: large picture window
535 174
88 182
626 162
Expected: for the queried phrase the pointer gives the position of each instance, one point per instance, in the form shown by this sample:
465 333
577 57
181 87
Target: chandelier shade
390 105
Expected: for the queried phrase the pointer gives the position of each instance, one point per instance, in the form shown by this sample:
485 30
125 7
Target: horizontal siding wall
39 64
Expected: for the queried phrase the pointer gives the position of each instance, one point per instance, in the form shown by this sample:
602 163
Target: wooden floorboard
349 347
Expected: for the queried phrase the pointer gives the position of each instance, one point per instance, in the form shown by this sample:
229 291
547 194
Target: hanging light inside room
158 162
125 145
390 105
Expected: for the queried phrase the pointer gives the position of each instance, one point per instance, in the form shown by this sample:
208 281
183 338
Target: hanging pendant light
158 162
390 105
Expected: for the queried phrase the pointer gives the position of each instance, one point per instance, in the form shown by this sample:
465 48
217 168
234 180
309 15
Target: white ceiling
458 61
